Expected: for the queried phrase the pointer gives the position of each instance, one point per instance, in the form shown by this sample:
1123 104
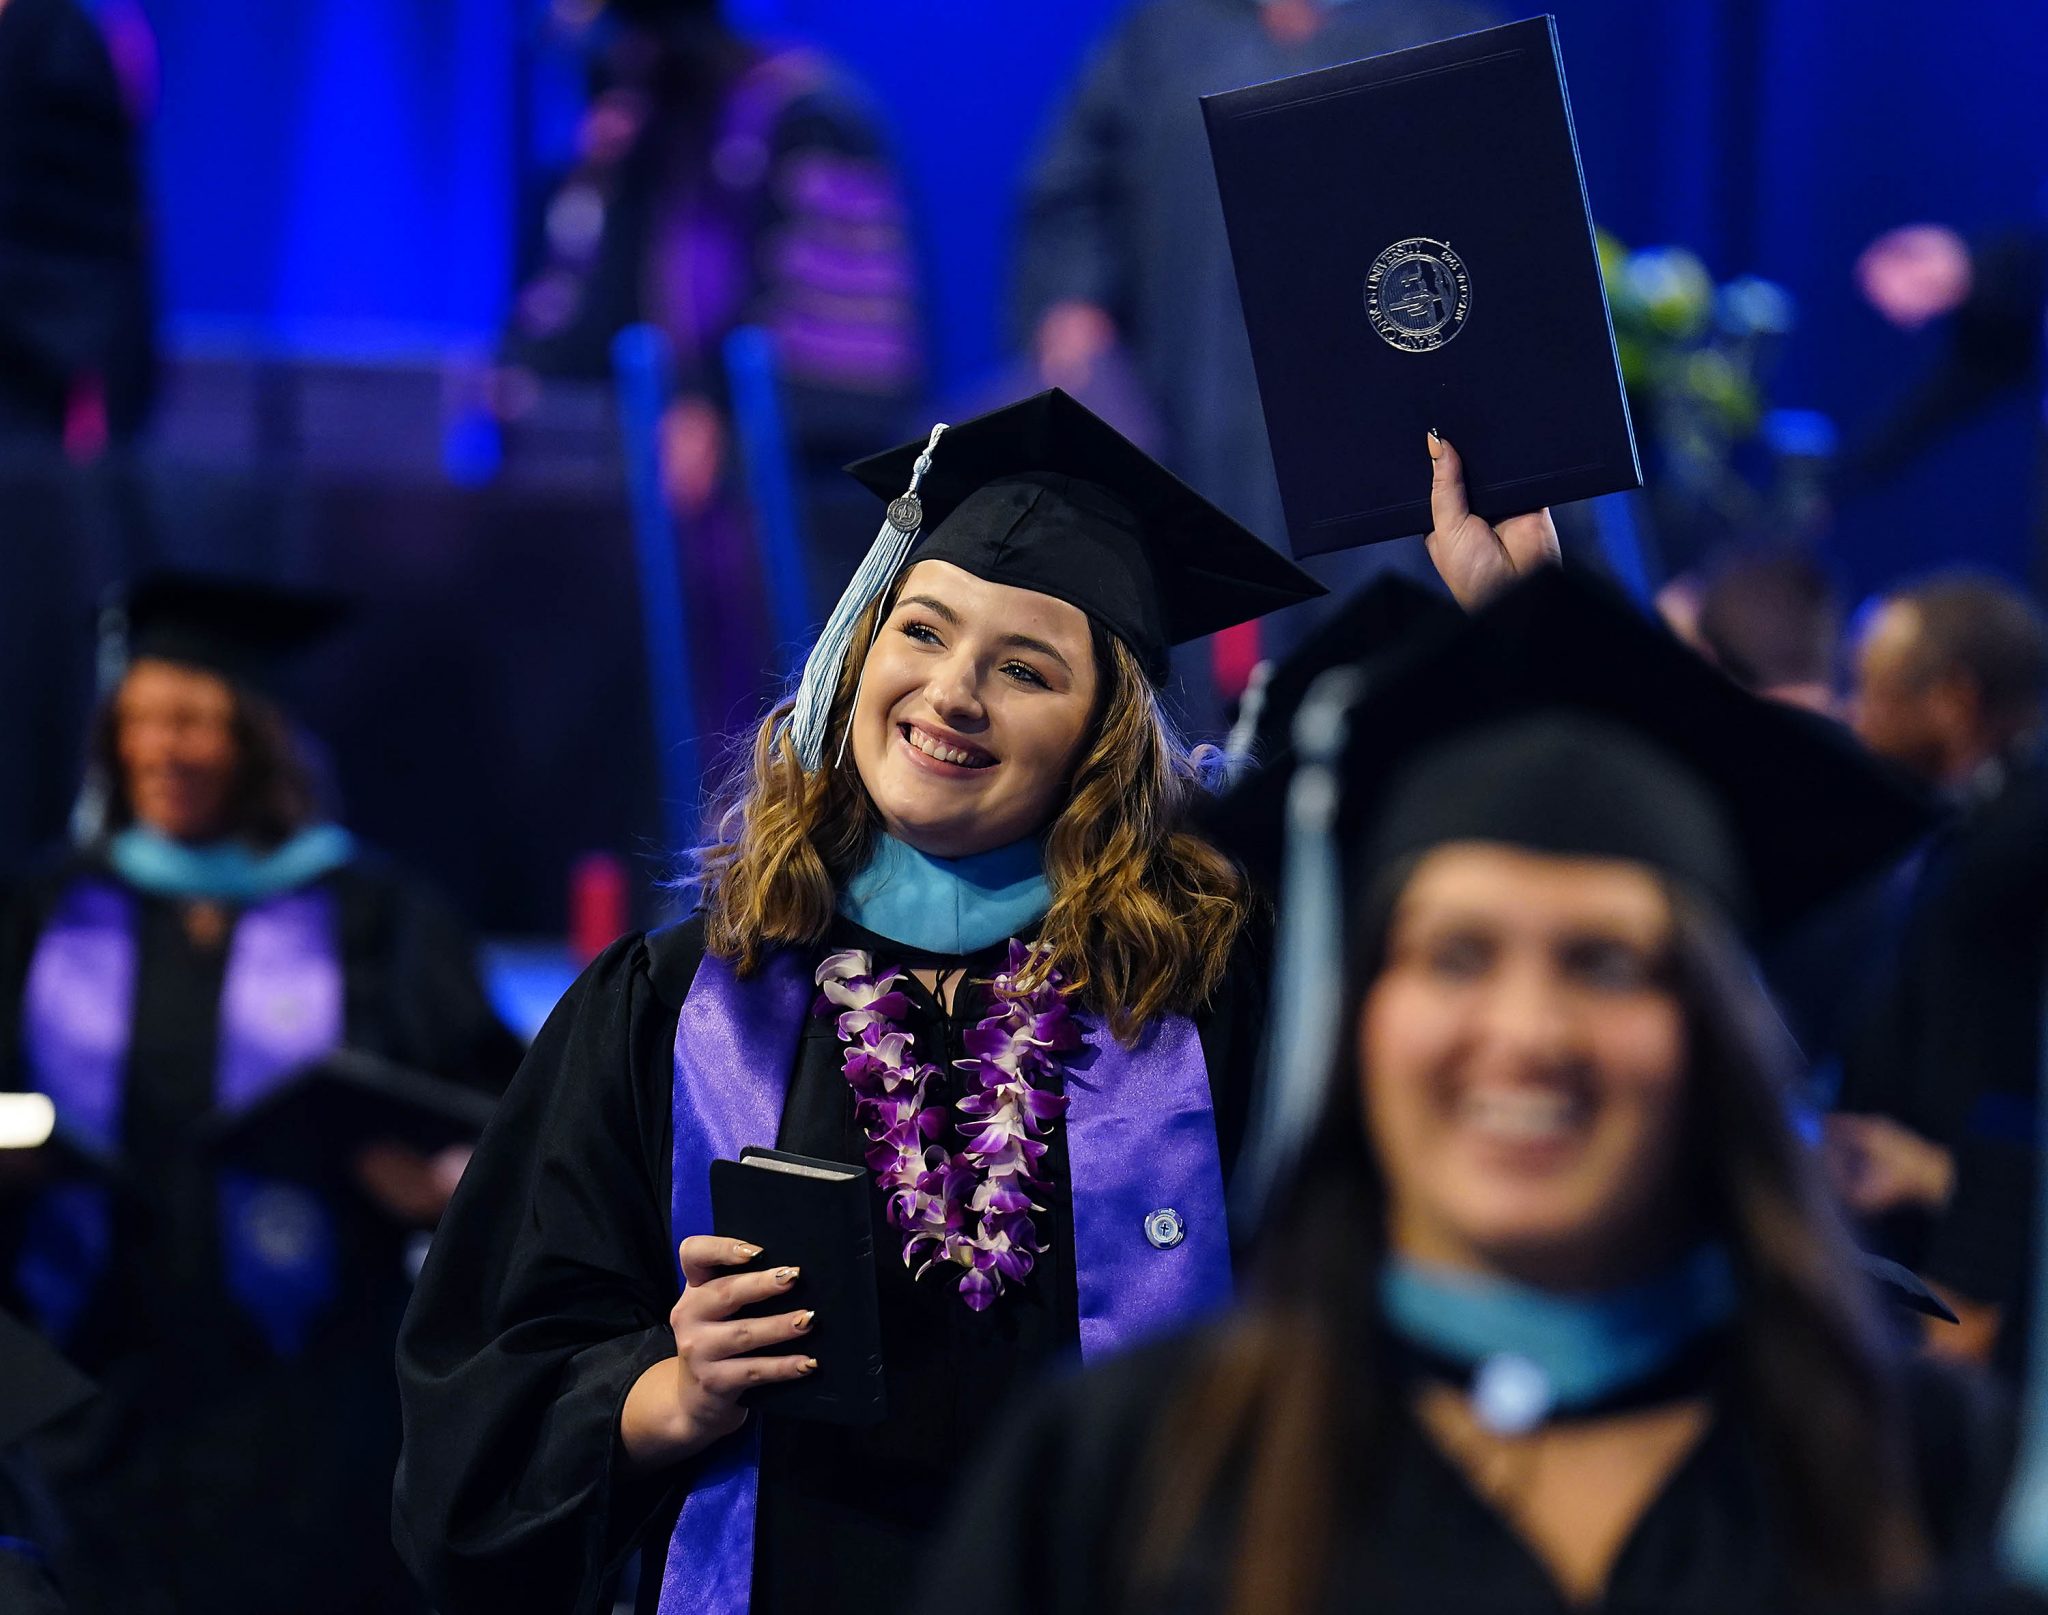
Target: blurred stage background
337 190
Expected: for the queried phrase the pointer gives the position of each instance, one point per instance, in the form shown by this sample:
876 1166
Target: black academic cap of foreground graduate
1046 495
37 1386
1562 718
313 1124
1389 617
243 630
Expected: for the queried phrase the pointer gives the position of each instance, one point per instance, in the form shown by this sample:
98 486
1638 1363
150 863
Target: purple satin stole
281 1006
1151 1245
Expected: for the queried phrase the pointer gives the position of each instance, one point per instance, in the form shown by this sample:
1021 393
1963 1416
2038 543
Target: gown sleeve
544 1297
27 1535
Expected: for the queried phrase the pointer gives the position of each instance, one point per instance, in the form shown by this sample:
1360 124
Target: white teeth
939 749
1520 1115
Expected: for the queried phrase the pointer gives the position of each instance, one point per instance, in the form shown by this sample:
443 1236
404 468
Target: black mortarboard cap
1045 495
1561 717
37 1386
1389 617
241 629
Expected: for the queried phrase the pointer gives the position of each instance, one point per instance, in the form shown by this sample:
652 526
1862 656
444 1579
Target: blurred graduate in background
209 939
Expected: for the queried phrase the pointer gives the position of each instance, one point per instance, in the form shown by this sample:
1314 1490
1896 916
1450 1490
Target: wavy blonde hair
1144 912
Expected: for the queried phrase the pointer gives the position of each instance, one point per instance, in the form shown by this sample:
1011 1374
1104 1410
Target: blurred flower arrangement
1696 358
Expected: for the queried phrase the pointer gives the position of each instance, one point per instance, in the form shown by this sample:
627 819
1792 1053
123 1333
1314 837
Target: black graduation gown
548 1290
213 1475
28 1536
1954 1051
1049 1522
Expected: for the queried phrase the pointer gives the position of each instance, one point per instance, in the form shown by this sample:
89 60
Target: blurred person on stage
1937 1137
721 183
1771 619
1550 1309
77 369
1988 299
76 353
210 940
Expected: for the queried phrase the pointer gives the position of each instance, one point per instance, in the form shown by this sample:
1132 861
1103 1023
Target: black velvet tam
242 630
1044 495
1561 718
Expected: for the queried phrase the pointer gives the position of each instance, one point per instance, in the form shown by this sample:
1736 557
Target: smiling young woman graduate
964 831
1549 1313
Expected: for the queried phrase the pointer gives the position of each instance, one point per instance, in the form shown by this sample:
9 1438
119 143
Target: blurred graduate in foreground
1551 1313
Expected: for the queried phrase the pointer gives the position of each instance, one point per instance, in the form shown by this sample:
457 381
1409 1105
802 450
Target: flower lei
971 1209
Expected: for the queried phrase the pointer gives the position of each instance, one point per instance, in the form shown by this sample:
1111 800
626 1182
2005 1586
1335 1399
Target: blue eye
1026 675
923 633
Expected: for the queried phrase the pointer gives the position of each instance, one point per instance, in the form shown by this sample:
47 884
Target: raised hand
1473 557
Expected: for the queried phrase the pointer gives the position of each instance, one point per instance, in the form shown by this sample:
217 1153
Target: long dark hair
1289 1405
274 795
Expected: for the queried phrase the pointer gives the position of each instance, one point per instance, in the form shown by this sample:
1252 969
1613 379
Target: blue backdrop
344 173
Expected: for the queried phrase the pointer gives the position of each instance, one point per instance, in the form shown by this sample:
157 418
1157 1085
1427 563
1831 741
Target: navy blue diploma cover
1413 249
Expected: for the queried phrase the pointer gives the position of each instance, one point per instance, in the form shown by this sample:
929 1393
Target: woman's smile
975 700
945 753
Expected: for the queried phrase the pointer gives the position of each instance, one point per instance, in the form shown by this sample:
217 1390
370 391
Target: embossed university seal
906 513
1417 294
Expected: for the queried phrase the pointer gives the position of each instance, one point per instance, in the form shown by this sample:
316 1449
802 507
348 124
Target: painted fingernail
1436 441
785 1275
810 1366
747 1252
803 1321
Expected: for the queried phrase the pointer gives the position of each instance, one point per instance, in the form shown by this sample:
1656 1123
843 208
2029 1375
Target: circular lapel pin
1164 1229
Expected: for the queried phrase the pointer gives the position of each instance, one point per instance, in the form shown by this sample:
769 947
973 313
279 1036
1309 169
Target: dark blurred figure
76 374
1991 298
1123 244
212 938
76 361
1771 619
722 183
1938 1132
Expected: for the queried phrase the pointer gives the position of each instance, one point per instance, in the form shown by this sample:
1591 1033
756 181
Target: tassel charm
906 513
